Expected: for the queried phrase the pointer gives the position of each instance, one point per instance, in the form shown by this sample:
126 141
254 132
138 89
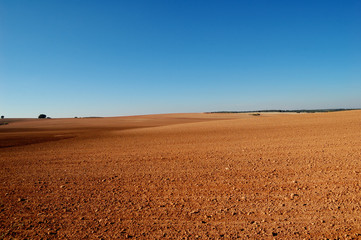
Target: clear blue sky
69 58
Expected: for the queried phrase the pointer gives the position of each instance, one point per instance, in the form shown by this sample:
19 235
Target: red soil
179 176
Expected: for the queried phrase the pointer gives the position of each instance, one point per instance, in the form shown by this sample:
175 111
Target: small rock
293 195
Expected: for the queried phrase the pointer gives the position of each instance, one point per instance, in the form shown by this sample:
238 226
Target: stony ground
182 176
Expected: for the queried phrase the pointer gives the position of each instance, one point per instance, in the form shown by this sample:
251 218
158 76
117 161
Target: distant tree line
292 111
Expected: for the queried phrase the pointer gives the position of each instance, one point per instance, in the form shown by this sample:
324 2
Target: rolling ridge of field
182 176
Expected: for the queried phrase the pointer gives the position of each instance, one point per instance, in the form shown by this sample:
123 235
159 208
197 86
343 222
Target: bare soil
182 176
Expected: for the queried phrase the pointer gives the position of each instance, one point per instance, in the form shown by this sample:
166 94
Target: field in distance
182 176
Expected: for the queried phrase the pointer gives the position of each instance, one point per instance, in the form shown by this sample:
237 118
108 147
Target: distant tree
2 117
42 116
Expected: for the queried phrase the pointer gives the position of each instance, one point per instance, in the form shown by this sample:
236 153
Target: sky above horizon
111 58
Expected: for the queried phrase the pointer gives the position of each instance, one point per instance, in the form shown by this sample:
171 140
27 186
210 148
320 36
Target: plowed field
182 176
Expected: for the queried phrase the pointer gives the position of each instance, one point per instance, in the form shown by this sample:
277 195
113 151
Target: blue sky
111 58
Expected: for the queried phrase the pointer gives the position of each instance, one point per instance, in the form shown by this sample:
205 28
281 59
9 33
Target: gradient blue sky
111 58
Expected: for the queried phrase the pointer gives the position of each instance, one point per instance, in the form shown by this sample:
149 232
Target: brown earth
182 176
